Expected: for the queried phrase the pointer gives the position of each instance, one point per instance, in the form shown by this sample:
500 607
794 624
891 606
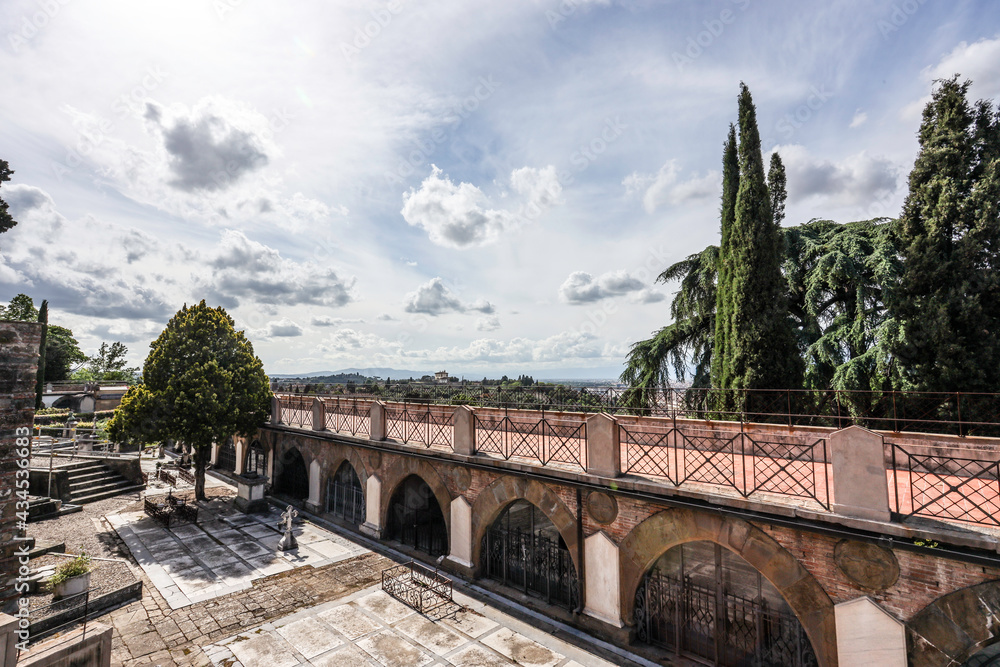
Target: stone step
107 494
77 478
105 479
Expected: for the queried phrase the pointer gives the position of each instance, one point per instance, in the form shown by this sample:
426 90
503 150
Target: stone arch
653 537
954 627
350 455
397 471
290 467
504 490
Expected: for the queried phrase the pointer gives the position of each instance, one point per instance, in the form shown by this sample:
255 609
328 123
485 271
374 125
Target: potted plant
71 578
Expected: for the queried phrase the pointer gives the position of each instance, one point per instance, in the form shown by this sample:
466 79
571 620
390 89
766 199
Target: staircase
90 481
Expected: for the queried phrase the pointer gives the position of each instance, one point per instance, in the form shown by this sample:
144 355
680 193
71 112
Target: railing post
319 414
860 486
465 430
604 453
275 410
377 415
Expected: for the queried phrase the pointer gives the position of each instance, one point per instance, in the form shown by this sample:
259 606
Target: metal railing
60 614
787 465
417 586
348 415
549 438
419 423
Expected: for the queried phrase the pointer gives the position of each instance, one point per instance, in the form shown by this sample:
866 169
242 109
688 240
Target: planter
73 586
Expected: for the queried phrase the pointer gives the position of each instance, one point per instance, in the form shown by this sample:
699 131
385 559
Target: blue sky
484 187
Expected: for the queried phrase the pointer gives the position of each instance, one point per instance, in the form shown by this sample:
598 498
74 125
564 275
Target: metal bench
174 511
417 586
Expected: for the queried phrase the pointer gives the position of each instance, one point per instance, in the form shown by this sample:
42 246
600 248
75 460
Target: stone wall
19 342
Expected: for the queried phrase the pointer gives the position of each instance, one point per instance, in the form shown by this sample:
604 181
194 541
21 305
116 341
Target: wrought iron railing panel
417 423
346 501
794 466
348 416
419 587
944 487
296 411
549 439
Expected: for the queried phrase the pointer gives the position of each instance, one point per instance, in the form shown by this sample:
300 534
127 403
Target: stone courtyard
219 592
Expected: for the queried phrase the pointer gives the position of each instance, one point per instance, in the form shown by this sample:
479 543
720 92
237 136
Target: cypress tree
948 302
776 186
730 187
43 317
762 352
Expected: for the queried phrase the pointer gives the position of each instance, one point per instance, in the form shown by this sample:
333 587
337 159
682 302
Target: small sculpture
288 542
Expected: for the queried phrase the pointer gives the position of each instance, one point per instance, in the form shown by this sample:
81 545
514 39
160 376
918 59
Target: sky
478 187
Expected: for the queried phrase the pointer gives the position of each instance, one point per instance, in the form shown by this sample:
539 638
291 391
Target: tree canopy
202 383
948 302
108 365
6 221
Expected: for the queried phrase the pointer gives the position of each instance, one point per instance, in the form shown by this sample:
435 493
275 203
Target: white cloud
352 340
434 298
491 323
567 345
284 328
859 119
979 61
857 180
246 269
327 321
663 186
581 287
462 216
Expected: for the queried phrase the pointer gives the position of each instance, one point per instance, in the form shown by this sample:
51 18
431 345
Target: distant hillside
383 373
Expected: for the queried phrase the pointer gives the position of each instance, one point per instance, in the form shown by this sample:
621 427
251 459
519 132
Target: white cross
288 515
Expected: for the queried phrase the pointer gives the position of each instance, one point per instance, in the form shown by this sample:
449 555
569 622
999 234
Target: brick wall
19 343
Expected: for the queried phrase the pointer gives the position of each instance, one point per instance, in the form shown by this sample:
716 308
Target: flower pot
72 586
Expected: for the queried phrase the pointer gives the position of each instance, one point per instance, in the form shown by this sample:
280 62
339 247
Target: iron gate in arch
256 461
227 456
416 519
523 550
345 498
701 611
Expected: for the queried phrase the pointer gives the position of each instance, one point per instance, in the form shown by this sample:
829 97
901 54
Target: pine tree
43 318
761 348
948 303
723 292
776 186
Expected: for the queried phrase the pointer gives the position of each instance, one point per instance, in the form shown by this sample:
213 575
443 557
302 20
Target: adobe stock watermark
122 107
277 122
900 14
22 461
791 122
31 24
702 40
224 7
423 148
363 35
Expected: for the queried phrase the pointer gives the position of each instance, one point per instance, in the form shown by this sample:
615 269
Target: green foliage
6 221
43 318
77 567
62 352
723 296
202 383
108 365
948 302
21 308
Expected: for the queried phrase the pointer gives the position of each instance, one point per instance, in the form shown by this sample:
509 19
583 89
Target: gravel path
85 531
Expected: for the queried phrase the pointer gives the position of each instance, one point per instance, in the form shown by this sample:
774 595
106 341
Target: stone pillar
465 430
461 532
315 474
860 487
319 415
275 410
377 414
241 454
214 458
868 635
8 640
602 575
373 508
604 454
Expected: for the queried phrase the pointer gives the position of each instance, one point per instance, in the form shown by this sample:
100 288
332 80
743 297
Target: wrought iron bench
417 586
175 511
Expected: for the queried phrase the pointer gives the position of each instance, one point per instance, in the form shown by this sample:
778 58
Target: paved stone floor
371 628
225 552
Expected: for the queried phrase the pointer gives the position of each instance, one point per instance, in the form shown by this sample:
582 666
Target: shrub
74 568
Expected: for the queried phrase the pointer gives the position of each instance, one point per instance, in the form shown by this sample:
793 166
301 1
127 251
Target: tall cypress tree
948 302
762 352
730 187
43 317
776 186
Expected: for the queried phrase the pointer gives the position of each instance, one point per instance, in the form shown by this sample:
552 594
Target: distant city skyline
437 186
